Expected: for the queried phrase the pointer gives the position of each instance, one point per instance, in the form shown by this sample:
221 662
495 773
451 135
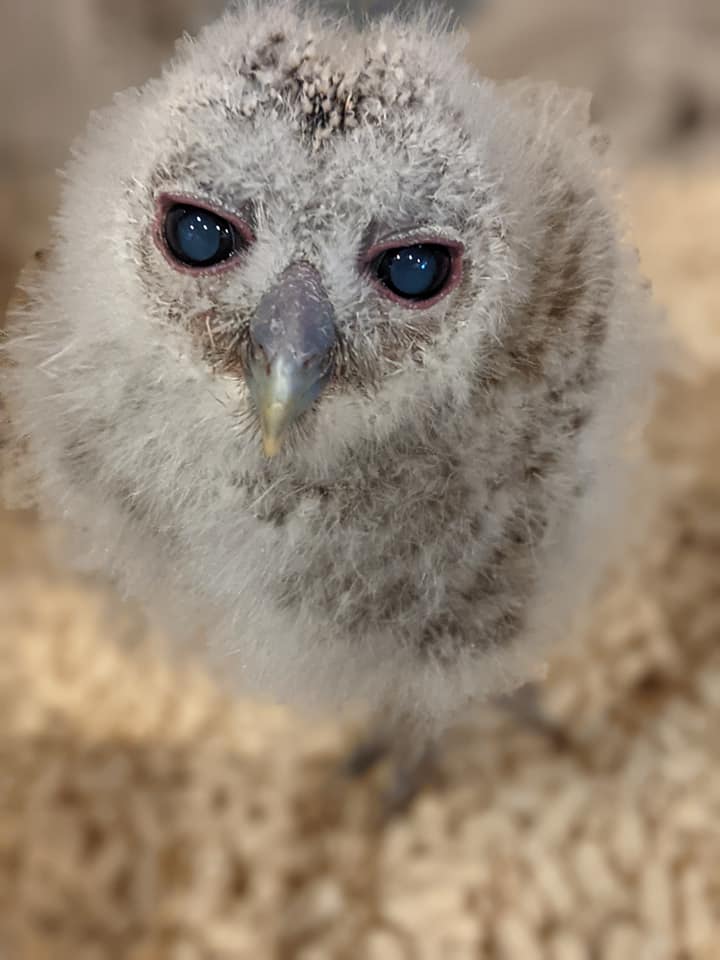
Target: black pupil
197 237
417 272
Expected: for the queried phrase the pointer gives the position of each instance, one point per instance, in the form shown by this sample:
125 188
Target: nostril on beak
257 355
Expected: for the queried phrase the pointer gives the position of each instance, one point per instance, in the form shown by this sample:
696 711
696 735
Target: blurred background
143 816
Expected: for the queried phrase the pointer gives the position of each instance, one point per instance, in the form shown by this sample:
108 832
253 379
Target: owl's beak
283 390
292 337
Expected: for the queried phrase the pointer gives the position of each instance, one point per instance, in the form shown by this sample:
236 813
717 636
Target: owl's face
301 227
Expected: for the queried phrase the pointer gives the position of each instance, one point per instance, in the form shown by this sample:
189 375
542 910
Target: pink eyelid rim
455 248
167 200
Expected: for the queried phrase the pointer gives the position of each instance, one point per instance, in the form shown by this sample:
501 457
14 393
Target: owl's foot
407 771
525 708
409 767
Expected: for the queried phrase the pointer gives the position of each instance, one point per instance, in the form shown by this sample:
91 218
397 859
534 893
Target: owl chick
332 358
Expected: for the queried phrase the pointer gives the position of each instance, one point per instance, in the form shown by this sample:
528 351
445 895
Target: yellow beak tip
273 421
271 445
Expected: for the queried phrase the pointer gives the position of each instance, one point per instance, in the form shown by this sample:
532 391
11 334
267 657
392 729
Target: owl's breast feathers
409 537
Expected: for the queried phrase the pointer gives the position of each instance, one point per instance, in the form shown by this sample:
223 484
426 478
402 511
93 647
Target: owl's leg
366 754
408 777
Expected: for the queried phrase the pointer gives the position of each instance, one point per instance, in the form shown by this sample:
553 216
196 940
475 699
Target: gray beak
292 337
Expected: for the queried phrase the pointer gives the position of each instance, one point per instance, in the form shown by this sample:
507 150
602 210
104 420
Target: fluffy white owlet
332 357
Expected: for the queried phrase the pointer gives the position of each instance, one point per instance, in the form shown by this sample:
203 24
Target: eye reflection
416 272
197 237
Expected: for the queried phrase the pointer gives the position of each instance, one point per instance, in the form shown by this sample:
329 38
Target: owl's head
307 233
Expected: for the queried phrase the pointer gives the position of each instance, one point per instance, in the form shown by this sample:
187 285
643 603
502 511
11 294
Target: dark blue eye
414 273
198 237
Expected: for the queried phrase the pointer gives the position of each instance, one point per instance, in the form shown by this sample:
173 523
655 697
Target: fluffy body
419 536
